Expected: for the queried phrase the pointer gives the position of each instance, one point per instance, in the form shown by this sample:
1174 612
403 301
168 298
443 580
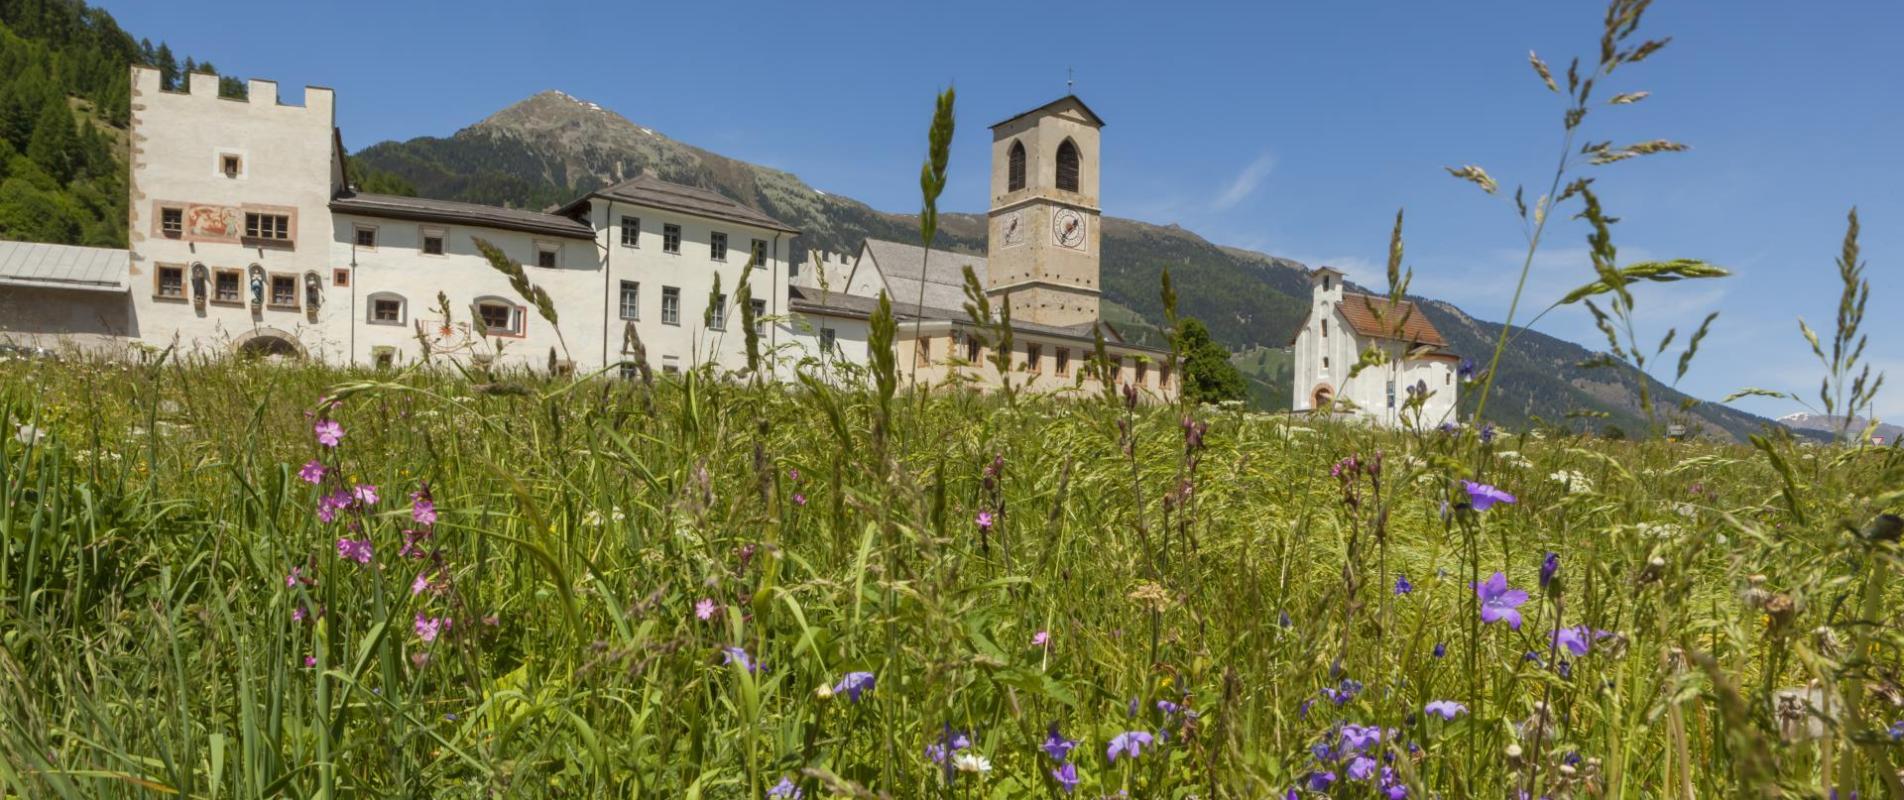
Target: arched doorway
1322 397
267 343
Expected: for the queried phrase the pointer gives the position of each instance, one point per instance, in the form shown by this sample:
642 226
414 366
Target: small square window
340 277
172 222
385 309
671 239
670 305
284 291
717 246
171 282
432 242
230 164
225 286
630 231
367 238
498 318
545 255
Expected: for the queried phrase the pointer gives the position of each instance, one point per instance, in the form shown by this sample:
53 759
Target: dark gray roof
1095 119
63 266
453 212
648 190
840 304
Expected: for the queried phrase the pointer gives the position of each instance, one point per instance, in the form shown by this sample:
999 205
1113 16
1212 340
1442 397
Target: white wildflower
1574 482
969 761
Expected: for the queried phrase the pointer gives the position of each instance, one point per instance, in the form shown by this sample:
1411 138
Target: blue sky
1293 128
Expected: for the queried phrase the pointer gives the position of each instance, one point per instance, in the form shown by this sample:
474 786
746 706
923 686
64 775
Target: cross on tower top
1069 81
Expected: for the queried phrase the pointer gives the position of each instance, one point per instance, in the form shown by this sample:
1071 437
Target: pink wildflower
364 494
705 608
799 499
984 520
427 628
313 472
329 433
297 614
310 661
1041 638
422 582
357 550
422 507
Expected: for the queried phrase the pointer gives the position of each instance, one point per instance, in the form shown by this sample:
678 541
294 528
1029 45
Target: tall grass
153 514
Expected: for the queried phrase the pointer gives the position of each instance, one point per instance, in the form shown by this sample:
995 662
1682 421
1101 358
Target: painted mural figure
257 288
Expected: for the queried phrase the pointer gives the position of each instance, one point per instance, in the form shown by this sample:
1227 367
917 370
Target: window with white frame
367 237
432 241
546 254
170 282
498 316
630 300
670 305
760 253
717 246
717 314
671 239
387 308
284 291
630 231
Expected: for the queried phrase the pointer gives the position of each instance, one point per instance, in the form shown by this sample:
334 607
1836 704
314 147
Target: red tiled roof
1379 318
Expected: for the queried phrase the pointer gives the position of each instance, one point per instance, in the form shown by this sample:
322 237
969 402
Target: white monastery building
1415 363
248 236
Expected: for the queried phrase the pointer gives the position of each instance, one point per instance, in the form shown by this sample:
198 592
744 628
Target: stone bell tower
1043 249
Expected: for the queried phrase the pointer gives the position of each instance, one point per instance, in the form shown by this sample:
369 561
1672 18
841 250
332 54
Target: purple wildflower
312 472
329 433
1466 370
1056 746
1361 768
1549 567
854 684
1483 496
357 550
1359 738
799 499
1578 639
421 583
1402 586
736 655
984 520
1320 781
1067 777
1441 649
423 507
364 494
950 742
1445 709
786 789
1498 602
427 628
1130 743
1487 433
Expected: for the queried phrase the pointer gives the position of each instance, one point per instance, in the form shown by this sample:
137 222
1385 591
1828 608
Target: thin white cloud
1245 182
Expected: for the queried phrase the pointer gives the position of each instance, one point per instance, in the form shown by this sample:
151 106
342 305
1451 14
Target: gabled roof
905 268
648 190
60 266
1070 98
452 212
1378 317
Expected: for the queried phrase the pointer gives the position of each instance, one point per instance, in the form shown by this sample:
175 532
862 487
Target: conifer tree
54 145
168 67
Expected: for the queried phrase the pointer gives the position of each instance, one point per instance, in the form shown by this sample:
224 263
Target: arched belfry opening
1015 168
1068 166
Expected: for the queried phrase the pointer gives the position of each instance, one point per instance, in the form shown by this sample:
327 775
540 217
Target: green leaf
1655 271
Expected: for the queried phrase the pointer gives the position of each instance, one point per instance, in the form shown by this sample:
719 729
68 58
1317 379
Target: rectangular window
340 277
284 291
973 349
670 369
630 231
172 222
717 246
367 238
671 239
760 311
498 318
276 227
546 253
627 369
1112 366
718 318
432 242
1391 393
1064 360
1143 371
760 253
630 300
225 286
230 165
670 305
1163 376
828 338
1325 363
1034 358
383 357
386 310
171 282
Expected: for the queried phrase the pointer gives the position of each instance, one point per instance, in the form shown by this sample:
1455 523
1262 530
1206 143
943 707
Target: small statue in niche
257 287
198 285
313 291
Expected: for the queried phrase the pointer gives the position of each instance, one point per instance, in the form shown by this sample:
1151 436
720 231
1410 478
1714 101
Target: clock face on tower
1067 228
1013 228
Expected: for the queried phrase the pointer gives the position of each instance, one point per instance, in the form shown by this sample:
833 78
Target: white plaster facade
1331 341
